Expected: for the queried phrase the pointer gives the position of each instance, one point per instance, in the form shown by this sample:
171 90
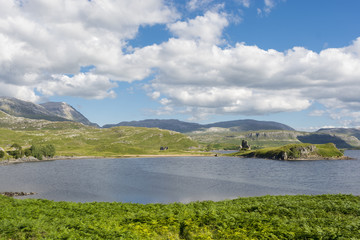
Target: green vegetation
295 151
79 140
39 152
268 217
17 153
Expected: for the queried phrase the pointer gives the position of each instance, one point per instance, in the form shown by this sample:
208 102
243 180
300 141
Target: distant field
268 217
72 139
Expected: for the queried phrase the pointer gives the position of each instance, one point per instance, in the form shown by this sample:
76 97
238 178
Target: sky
290 61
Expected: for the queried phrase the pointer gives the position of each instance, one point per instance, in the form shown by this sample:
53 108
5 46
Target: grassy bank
294 151
268 217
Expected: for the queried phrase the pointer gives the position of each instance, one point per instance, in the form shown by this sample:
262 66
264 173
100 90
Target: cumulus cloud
85 85
44 44
207 28
43 40
199 77
20 92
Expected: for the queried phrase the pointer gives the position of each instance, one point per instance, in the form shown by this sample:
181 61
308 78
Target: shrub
48 150
27 152
18 152
39 152
2 154
36 152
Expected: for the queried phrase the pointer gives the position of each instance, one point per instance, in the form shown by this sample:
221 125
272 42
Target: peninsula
302 151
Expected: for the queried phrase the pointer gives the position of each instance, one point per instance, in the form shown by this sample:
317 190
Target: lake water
179 179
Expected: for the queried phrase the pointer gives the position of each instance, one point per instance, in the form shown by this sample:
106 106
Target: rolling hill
186 127
75 139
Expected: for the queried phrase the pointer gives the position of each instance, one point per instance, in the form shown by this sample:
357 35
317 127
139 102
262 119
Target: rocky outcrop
245 145
301 152
17 194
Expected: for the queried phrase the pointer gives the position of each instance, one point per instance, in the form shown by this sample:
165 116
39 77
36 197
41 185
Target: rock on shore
17 194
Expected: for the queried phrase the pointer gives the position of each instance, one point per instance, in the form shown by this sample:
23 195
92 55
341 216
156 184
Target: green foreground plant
268 217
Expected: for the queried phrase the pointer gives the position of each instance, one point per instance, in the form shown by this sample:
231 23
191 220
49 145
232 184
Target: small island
302 151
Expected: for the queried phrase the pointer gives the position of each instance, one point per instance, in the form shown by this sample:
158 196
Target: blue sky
295 62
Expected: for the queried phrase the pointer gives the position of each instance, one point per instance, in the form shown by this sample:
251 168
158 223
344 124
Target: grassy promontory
267 217
301 151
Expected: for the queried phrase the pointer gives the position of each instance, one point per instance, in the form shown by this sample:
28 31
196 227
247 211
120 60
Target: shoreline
32 159
303 159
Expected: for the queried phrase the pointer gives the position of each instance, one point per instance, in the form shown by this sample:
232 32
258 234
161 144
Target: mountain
346 131
19 108
168 124
249 125
66 111
180 126
321 138
47 111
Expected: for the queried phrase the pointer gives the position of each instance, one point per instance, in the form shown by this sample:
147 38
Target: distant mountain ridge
250 125
50 111
180 126
347 131
168 124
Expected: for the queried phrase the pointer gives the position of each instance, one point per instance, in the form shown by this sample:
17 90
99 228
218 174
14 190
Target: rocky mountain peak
52 111
65 110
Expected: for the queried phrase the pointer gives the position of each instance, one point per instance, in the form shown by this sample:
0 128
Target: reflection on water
179 179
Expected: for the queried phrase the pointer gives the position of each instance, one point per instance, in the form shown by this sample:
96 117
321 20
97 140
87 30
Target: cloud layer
43 45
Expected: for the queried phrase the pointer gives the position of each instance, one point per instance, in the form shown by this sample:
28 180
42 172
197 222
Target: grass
267 217
78 140
294 151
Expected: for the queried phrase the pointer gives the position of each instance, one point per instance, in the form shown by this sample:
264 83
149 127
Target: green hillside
294 152
74 139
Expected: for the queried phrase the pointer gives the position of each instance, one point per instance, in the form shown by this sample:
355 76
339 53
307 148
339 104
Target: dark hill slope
168 124
250 125
180 126
346 131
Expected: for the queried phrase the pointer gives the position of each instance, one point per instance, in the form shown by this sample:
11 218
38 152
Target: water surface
179 179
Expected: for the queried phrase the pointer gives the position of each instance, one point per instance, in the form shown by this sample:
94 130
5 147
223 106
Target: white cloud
268 6
245 3
197 4
85 85
198 77
20 92
317 113
40 39
207 28
42 43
